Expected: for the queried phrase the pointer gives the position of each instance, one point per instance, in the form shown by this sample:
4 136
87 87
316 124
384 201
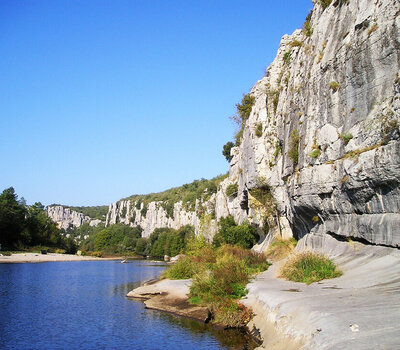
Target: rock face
323 133
66 218
152 217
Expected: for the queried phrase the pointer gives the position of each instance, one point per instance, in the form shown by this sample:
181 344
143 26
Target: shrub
60 251
243 113
309 267
226 150
232 190
334 86
143 211
97 254
243 235
294 146
325 3
346 137
280 249
286 57
315 153
259 129
296 43
307 28
184 268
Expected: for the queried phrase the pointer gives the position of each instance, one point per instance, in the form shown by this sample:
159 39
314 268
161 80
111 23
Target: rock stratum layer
323 133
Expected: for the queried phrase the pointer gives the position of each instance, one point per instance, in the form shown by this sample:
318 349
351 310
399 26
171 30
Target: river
82 305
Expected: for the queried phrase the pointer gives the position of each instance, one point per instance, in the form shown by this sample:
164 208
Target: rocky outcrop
68 218
328 112
322 137
154 216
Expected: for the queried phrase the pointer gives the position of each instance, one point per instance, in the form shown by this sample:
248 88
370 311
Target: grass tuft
280 249
309 267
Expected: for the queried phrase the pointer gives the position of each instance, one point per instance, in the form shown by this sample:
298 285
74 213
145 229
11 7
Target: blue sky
100 100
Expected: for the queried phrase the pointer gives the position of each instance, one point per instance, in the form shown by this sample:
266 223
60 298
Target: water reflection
234 339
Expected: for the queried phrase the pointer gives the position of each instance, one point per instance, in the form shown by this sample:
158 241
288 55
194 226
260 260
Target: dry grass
309 267
280 249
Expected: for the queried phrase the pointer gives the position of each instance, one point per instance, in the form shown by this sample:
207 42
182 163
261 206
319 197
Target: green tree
226 151
229 232
12 219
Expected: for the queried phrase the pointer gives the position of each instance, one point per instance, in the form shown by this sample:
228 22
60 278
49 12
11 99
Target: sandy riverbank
37 258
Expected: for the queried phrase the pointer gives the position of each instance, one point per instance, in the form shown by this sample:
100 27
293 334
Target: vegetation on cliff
197 190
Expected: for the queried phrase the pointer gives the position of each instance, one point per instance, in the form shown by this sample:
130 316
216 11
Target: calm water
82 305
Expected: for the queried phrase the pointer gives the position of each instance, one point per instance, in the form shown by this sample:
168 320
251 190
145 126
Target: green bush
232 190
315 153
286 57
226 151
325 3
307 28
294 146
243 113
229 232
309 267
334 86
346 137
183 269
60 251
219 284
259 129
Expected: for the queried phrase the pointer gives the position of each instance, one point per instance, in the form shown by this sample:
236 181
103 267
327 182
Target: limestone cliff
322 141
68 218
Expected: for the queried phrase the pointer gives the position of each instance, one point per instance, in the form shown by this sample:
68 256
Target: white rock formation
66 217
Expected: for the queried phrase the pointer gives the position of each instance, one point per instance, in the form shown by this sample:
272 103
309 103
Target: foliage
315 153
184 268
24 226
286 57
294 146
309 267
296 43
229 232
324 3
226 151
243 110
98 212
346 137
259 129
232 190
188 194
280 249
167 241
334 85
114 239
307 28
219 279
143 211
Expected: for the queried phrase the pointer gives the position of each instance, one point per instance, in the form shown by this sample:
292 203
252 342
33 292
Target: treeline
121 239
23 226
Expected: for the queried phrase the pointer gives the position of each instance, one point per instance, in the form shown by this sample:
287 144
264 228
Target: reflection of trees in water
235 339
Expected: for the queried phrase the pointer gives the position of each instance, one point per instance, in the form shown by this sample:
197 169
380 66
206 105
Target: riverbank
359 310
38 258
170 296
